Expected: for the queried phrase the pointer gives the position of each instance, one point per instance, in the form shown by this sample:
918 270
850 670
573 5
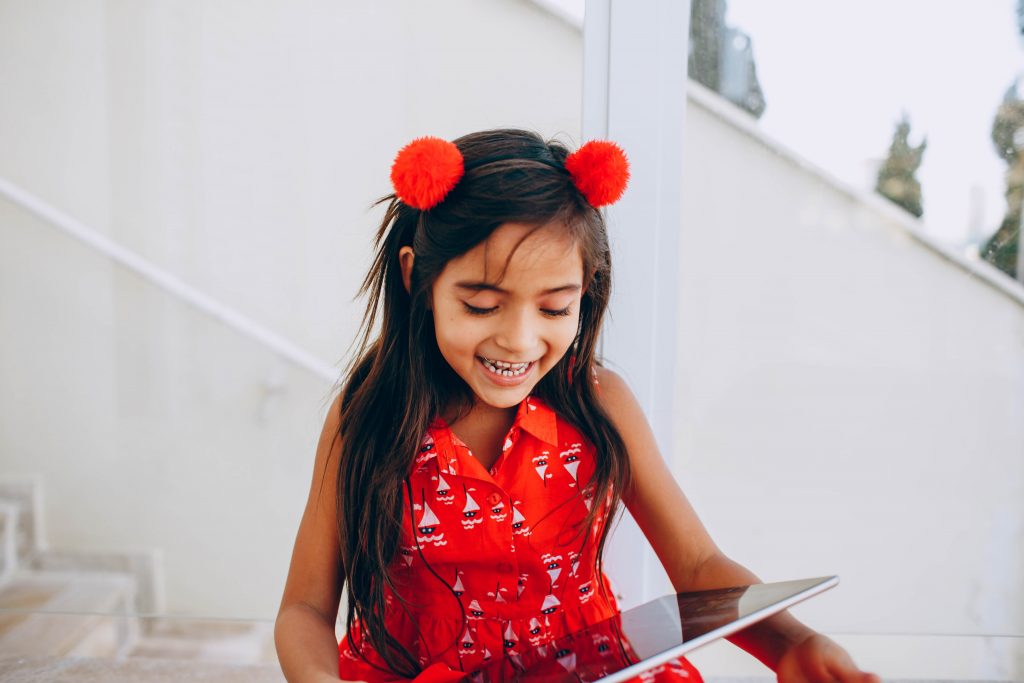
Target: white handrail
168 282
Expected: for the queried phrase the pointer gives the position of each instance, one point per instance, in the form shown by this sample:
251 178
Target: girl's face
502 337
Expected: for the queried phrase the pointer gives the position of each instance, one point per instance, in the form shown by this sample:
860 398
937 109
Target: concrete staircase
53 603
63 606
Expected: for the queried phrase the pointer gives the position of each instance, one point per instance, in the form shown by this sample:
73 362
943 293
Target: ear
406 256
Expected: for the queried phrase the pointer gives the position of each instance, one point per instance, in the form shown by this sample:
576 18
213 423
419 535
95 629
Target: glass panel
849 396
837 95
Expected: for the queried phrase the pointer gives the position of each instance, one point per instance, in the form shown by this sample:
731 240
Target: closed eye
551 313
473 310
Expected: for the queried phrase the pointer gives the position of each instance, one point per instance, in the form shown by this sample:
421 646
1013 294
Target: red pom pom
425 171
600 171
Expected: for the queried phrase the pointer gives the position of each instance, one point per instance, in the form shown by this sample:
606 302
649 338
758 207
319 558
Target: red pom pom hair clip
600 171
428 168
425 171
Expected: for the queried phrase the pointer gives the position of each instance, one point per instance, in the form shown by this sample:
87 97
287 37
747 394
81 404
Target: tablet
651 634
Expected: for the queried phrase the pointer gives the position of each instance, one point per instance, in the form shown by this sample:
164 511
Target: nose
517 332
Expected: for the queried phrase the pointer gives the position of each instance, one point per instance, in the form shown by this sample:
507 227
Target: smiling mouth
505 369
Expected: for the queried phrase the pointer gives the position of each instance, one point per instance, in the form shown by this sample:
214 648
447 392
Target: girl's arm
304 630
693 561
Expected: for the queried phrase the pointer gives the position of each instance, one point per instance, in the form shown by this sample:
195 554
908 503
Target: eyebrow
488 287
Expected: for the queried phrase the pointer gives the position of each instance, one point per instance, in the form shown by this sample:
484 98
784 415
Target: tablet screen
650 634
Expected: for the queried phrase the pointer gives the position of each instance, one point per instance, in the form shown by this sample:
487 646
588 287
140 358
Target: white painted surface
238 147
850 402
632 96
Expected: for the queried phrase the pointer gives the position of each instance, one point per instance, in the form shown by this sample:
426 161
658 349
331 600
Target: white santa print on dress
443 493
428 525
519 525
457 587
571 460
467 646
497 593
574 562
553 565
475 611
540 464
586 592
509 637
536 632
426 450
550 604
567 658
603 644
471 516
498 511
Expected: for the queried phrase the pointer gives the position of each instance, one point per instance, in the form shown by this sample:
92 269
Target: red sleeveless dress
495 566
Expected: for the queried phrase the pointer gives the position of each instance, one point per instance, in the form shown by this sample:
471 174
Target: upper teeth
504 367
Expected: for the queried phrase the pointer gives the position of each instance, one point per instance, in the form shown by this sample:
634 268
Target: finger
811 667
842 669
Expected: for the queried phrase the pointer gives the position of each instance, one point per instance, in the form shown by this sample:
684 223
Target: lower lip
504 380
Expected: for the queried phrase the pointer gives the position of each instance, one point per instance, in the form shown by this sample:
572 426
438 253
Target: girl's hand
817 659
439 673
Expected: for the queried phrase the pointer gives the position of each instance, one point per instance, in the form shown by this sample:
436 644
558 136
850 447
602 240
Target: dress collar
534 416
538 418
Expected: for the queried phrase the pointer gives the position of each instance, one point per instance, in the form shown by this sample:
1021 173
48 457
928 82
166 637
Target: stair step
17 668
145 565
237 643
66 614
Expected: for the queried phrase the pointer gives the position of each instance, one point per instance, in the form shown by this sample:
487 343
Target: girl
468 471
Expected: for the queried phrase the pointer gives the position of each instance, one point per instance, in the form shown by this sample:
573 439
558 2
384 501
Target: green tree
1008 137
897 181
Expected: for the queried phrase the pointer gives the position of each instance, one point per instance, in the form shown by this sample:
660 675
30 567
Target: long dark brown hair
399 382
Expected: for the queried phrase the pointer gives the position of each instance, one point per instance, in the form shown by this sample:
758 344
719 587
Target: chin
508 399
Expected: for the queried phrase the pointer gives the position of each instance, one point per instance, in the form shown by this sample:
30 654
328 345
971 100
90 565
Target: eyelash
473 310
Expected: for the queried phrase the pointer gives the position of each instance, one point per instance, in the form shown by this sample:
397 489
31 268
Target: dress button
493 499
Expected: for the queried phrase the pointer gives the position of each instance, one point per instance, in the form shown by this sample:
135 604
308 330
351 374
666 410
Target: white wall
852 402
237 145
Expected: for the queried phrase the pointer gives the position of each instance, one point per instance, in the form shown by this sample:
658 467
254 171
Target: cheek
455 337
566 334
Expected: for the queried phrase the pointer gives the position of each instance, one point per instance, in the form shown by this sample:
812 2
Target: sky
838 75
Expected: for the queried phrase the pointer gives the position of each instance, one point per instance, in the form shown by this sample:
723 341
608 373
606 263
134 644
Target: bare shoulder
619 402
